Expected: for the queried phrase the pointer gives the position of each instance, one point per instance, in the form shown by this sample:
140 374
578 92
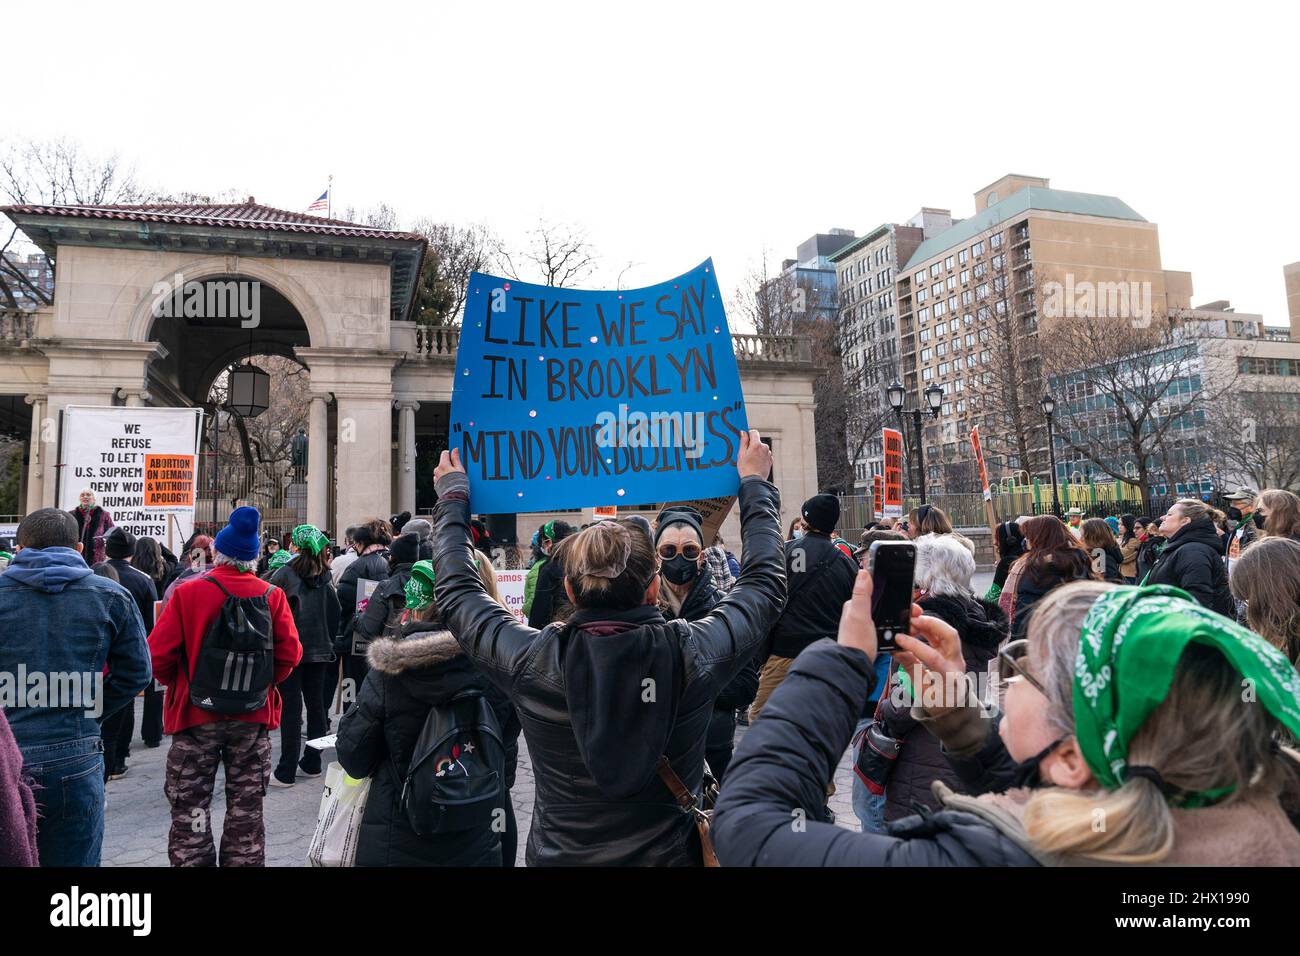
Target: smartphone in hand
892 565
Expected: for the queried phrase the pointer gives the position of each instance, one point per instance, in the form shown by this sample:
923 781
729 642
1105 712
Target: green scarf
279 559
1129 648
419 589
310 538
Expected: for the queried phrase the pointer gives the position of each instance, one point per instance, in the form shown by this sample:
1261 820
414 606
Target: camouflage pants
244 749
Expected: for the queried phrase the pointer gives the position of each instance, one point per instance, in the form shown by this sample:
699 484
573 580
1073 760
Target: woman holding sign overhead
615 703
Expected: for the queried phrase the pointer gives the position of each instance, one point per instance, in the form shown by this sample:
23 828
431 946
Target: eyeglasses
1011 665
691 552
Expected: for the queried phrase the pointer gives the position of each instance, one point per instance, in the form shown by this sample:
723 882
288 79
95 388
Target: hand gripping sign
565 396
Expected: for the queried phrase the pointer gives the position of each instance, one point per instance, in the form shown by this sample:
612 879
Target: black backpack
235 665
456 778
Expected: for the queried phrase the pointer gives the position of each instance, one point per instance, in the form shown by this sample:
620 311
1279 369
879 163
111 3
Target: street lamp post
1049 409
934 399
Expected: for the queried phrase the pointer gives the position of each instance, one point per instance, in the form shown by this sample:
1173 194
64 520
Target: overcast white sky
672 132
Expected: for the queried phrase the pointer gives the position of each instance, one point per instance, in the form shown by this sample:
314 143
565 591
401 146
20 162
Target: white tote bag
339 821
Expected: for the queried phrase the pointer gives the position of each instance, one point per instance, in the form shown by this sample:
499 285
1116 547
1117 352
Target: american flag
322 204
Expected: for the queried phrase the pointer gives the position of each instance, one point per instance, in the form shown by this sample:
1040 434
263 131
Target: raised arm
485 630
733 631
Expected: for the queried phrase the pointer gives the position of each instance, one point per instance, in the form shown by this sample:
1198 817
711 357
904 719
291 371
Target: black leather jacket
574 822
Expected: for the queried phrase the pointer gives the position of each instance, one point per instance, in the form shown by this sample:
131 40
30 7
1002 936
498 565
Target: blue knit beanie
239 539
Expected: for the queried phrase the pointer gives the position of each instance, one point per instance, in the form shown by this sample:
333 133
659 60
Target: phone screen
892 564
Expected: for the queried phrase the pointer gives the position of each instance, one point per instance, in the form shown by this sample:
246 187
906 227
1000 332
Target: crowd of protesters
1101 670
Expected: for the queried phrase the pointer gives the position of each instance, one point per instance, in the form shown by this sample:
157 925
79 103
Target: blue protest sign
569 398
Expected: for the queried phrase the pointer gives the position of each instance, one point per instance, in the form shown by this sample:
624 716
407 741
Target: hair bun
604 551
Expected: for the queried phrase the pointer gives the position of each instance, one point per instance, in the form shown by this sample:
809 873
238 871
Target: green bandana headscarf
419 589
307 537
279 559
1129 649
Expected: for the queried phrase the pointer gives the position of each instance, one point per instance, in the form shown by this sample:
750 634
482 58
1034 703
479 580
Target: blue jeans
867 807
69 788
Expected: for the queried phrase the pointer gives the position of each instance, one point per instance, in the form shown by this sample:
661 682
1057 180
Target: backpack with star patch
456 778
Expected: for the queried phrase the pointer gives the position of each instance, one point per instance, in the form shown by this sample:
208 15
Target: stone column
406 452
318 477
36 455
365 459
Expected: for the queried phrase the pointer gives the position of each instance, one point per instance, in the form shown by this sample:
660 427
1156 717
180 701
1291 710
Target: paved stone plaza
135 827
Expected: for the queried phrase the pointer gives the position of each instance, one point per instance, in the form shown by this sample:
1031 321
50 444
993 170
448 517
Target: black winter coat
982 626
371 567
820 578
408 676
618 813
550 602
1193 561
315 607
388 597
740 692
1069 564
142 588
1148 551
812 714
1114 560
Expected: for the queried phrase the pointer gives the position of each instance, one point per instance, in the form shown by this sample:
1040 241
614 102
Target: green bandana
419 589
279 559
1129 649
308 537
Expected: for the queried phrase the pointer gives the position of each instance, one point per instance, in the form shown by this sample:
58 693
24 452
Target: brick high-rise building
1027 244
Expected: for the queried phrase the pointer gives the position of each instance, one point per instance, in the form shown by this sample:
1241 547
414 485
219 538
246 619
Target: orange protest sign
893 442
878 488
169 481
979 458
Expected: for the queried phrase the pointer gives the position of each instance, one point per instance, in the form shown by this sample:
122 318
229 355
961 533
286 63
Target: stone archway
142 319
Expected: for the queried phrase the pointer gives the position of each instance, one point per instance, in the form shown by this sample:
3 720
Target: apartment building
37 270
867 272
1291 276
811 275
1028 248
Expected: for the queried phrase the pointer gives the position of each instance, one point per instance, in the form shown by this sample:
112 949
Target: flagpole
329 198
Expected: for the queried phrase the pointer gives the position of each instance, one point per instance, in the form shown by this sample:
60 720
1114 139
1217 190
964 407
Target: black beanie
405 549
822 512
119 544
679 514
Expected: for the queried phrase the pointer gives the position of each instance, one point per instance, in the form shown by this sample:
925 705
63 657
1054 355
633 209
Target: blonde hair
609 565
488 575
1194 508
1267 578
1201 737
1283 511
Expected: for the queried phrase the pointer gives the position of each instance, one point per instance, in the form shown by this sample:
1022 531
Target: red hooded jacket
186 618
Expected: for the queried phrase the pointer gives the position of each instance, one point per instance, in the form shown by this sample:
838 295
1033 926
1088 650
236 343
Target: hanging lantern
250 391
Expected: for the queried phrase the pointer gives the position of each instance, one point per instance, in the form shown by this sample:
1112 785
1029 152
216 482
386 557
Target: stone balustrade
440 342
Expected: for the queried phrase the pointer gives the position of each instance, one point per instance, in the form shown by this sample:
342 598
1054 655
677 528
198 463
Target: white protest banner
511 586
140 462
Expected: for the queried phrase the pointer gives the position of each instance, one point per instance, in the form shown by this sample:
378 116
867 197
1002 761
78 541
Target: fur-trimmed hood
415 650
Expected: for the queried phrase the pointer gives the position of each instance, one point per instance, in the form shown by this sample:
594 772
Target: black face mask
1026 774
680 570
1258 519
1234 514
